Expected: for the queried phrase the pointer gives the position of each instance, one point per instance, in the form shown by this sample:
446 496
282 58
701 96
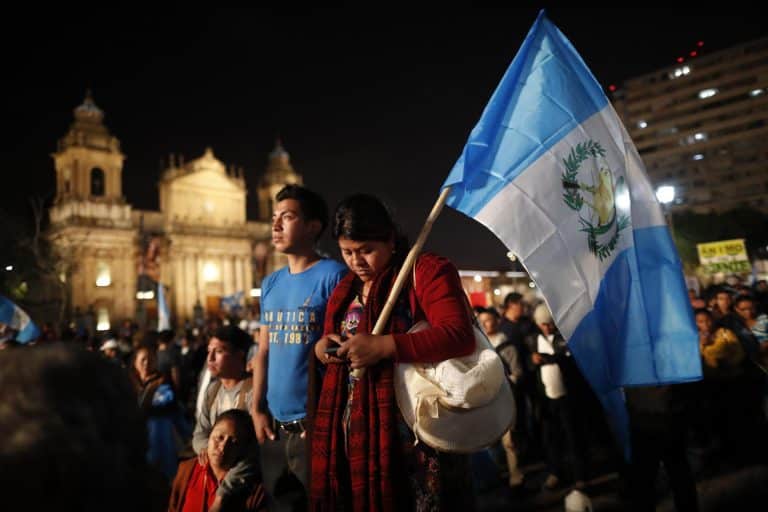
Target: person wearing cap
111 350
293 301
556 370
229 389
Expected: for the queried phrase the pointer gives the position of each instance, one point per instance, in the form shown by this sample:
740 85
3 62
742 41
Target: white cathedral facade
200 246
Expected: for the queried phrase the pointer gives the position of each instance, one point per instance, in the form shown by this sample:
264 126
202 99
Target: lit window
707 93
102 323
210 272
698 156
681 71
642 124
103 276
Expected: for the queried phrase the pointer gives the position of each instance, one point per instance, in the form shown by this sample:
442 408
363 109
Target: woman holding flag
364 455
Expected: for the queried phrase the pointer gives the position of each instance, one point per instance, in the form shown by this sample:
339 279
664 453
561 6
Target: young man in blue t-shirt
292 312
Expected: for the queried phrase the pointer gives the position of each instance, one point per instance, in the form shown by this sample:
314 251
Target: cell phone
331 351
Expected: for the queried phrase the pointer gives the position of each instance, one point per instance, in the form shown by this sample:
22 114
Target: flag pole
405 270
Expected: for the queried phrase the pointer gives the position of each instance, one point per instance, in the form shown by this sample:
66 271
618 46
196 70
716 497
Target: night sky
374 101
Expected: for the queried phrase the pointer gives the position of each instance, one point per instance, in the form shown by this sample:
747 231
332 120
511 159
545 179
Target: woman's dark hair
243 424
362 218
702 311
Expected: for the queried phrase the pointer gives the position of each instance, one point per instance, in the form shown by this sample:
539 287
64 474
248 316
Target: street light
666 195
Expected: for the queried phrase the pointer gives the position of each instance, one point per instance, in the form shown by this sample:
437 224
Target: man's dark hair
491 311
313 206
363 218
743 298
235 336
65 405
702 311
512 298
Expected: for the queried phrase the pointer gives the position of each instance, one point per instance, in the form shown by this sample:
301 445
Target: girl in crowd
157 401
231 440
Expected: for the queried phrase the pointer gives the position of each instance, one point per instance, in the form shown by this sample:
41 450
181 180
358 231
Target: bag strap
210 397
240 402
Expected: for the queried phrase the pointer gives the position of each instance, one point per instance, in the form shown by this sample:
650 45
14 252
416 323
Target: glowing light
210 272
102 324
531 285
622 199
680 60
255 292
103 277
478 278
9 267
496 292
698 156
642 124
665 194
612 88
707 93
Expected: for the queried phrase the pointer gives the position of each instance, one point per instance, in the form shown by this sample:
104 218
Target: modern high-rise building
701 126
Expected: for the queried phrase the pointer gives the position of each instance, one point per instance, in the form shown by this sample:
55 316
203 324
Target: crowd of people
235 414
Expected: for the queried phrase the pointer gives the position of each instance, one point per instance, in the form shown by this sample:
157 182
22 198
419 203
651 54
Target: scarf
371 482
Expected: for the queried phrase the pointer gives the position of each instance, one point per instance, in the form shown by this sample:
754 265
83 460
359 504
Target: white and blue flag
18 320
232 302
163 313
551 170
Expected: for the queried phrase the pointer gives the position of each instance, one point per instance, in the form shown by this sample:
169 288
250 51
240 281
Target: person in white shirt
555 365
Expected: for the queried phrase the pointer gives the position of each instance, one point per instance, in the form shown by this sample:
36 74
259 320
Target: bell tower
89 167
279 173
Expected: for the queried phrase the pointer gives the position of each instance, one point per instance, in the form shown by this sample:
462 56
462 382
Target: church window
97 182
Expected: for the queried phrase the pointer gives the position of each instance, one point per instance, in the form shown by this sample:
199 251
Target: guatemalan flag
163 312
551 170
18 319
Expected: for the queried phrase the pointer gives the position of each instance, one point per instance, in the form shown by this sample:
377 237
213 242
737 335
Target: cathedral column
226 275
189 282
239 277
199 280
248 275
179 299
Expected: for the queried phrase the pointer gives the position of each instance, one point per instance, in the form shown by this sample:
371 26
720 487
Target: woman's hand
362 350
323 344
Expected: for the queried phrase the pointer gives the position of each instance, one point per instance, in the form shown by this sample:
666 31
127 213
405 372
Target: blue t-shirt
293 309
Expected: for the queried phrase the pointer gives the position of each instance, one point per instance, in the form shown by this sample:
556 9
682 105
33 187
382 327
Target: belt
291 427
